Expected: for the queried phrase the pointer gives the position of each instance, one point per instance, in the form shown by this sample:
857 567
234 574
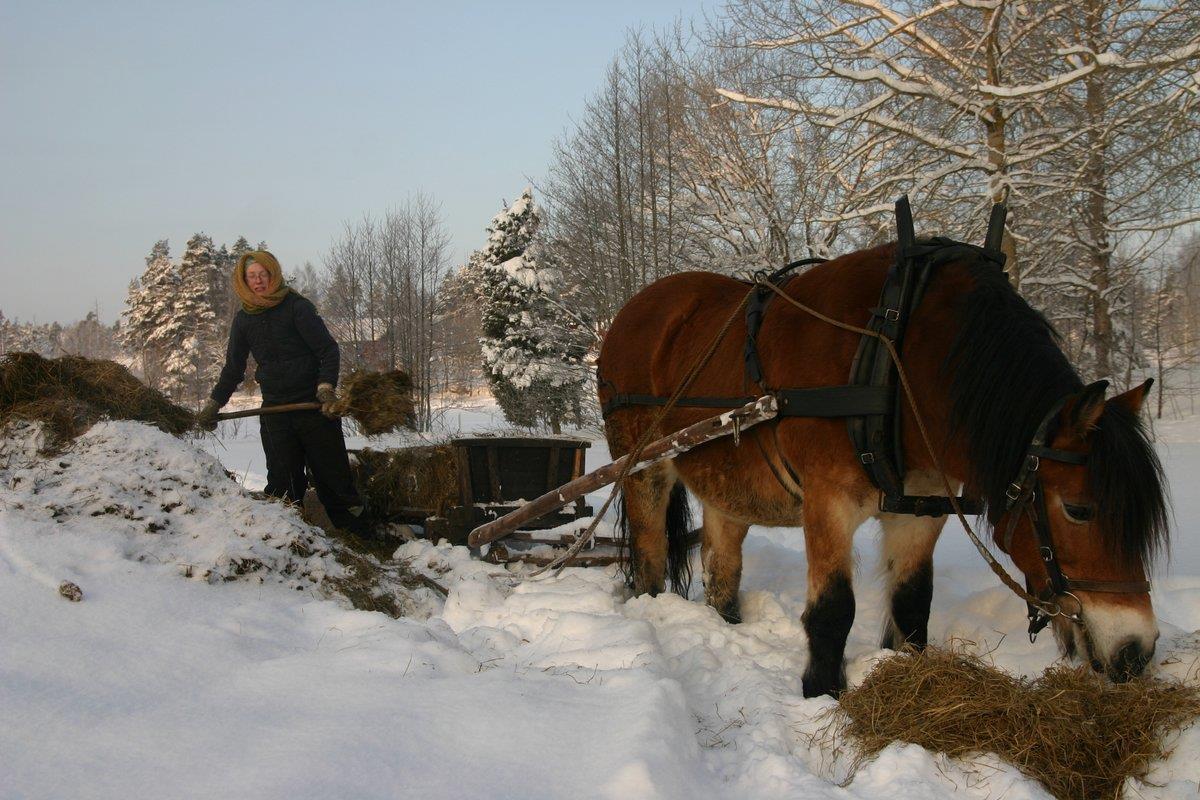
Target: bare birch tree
381 280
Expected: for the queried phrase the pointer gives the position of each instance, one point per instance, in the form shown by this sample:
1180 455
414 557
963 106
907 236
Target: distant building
364 342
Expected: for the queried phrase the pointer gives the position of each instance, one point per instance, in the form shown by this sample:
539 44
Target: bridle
1026 495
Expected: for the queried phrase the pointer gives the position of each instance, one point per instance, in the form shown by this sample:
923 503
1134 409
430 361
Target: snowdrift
164 500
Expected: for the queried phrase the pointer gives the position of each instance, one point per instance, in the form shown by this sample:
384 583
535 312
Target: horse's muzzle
1128 662
1118 642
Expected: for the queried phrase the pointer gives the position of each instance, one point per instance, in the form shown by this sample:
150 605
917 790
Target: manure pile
396 482
1069 728
71 393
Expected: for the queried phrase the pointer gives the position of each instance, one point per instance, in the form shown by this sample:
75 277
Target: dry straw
1070 729
71 393
380 402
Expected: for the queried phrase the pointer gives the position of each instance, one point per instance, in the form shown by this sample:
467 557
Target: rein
1047 608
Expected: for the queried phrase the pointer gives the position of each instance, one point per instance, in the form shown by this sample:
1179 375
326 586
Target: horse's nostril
1129 662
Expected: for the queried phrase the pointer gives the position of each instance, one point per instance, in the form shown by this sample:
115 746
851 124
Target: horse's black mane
1006 371
1127 482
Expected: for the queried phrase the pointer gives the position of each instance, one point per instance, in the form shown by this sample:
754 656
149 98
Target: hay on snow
1078 734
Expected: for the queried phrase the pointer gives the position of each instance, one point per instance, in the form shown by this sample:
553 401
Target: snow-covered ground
182 674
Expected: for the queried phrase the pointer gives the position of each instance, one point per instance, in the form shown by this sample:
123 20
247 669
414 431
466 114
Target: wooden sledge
731 423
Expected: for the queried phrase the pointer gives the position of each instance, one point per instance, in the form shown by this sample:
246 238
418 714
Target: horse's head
1093 510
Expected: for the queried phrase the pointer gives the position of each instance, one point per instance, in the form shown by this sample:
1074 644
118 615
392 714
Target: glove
206 420
328 399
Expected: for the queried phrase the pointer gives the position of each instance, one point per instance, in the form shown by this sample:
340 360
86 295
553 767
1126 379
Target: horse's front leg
830 519
908 544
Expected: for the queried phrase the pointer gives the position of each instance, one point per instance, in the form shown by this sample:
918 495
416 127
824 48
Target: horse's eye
1078 514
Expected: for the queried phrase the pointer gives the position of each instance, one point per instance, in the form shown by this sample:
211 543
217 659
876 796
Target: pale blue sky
122 123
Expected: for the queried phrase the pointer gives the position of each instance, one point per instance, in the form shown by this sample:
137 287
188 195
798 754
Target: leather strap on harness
878 439
756 309
821 401
874 436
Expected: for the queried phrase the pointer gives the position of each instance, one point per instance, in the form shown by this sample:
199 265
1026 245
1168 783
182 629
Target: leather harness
869 401
871 405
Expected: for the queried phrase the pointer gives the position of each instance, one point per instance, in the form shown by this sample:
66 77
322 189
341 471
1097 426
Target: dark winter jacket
293 349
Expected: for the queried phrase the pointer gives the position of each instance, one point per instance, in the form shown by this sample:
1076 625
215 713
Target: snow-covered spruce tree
45 339
144 328
224 298
192 363
533 348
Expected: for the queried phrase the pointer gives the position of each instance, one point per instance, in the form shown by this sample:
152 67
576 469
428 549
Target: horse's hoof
816 691
816 684
731 614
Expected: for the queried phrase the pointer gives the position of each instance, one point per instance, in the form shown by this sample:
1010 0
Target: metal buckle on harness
1015 490
1076 617
891 314
1038 620
1032 463
867 458
1047 553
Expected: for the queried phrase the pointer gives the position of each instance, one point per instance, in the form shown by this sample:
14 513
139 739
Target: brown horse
986 370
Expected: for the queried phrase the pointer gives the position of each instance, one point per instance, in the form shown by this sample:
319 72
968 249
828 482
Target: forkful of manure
380 402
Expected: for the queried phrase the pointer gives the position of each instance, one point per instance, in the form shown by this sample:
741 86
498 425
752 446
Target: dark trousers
294 439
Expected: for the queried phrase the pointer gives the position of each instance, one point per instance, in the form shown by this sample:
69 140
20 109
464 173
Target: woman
297 363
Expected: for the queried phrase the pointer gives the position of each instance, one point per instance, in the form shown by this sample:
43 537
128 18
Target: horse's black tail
679 525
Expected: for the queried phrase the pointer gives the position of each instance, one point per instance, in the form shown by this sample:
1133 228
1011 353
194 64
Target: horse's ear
1133 399
1085 412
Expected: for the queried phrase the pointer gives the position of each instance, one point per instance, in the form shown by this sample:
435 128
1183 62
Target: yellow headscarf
276 289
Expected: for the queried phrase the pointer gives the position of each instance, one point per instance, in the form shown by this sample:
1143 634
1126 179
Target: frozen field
162 685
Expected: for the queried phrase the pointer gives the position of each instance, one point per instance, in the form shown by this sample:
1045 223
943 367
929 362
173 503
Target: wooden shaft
254 412
576 561
731 422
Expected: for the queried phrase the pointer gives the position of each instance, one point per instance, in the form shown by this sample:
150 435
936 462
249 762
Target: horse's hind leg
908 544
830 519
646 496
721 554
